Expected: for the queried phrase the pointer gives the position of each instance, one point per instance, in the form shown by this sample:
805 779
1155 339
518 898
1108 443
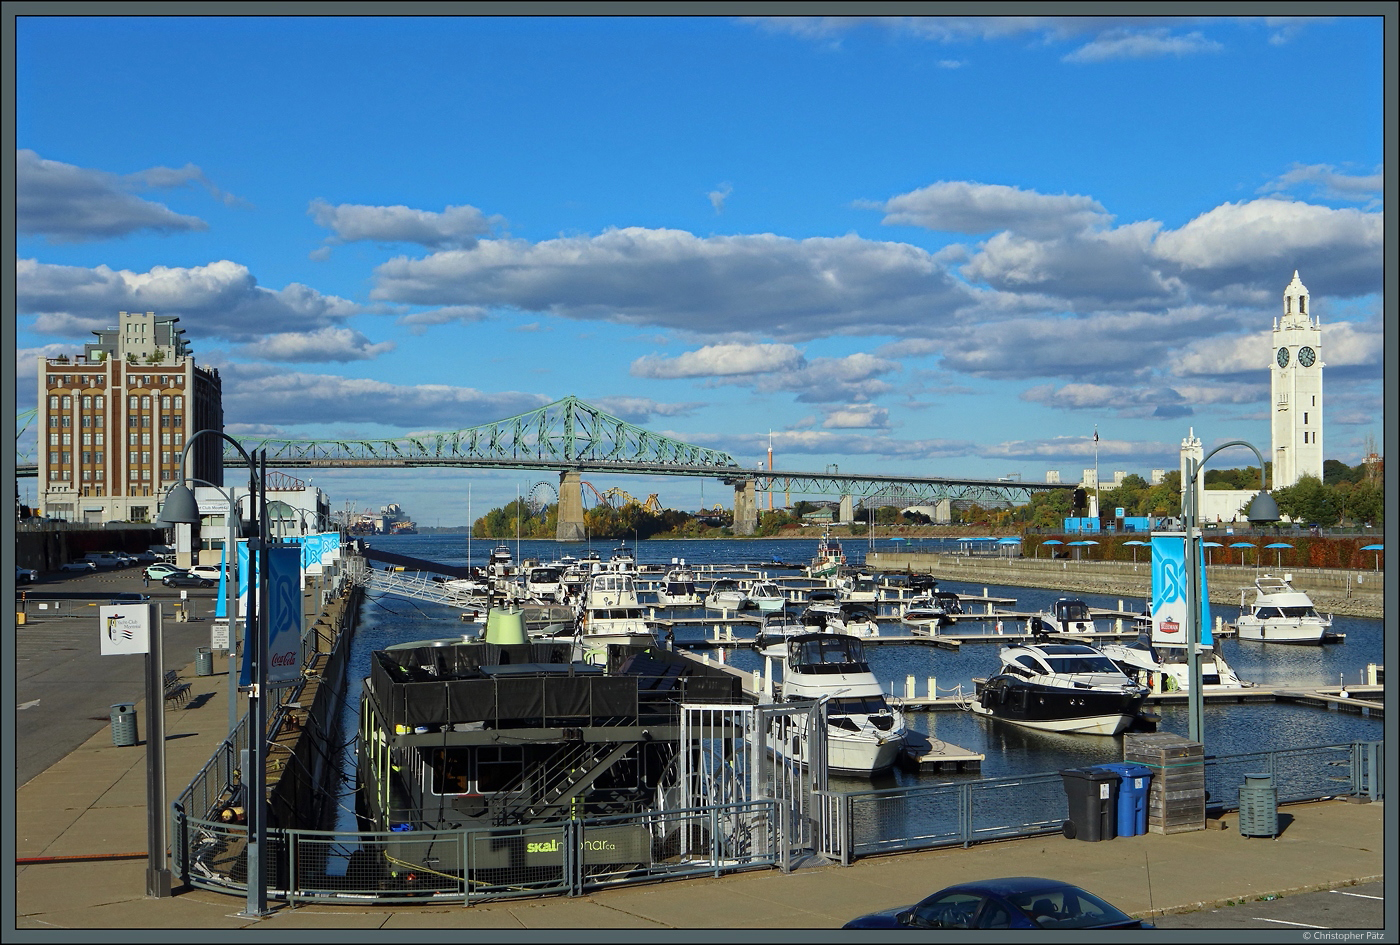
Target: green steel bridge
573 438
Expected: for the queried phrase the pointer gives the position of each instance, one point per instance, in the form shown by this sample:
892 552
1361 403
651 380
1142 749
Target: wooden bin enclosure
1176 798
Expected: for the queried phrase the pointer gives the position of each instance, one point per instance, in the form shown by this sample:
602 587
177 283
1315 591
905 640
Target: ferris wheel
542 494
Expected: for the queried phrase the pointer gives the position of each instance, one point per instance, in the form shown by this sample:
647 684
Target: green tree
1309 501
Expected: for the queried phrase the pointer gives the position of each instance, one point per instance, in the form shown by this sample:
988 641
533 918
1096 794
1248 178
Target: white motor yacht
767 596
726 594
678 588
1281 614
858 589
1165 668
864 733
611 613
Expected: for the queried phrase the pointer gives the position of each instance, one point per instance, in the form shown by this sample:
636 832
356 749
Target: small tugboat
828 561
864 734
1060 687
1282 614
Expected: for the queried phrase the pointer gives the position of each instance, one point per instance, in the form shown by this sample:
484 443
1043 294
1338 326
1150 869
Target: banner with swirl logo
1169 608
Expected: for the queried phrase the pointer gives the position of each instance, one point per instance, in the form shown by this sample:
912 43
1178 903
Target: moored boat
766 595
864 733
678 587
1281 614
1060 687
726 594
1166 669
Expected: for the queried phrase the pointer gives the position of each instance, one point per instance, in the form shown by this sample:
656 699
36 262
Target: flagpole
1095 513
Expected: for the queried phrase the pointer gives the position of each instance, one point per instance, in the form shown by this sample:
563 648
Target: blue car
1017 902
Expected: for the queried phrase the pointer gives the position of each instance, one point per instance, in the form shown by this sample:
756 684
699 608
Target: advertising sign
1169 609
125 629
284 615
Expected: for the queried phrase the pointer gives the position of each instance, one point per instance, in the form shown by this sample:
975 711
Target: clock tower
1295 370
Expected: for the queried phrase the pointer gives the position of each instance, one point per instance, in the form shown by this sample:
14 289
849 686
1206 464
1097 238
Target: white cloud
642 409
325 344
719 195
970 207
419 322
860 416
724 360
1131 44
1329 183
66 203
272 394
1259 241
1081 449
783 287
453 227
218 300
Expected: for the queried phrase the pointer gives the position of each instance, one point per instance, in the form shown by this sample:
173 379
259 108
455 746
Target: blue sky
928 246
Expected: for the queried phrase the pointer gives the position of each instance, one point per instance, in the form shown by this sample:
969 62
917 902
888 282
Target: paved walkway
93 803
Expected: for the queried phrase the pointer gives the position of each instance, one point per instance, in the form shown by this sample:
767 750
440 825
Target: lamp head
179 507
1263 510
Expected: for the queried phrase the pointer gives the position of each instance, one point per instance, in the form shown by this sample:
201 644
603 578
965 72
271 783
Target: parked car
107 559
186 579
77 566
146 557
207 570
25 575
160 570
1017 902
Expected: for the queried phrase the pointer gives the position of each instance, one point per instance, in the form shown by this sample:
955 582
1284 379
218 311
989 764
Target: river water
1229 728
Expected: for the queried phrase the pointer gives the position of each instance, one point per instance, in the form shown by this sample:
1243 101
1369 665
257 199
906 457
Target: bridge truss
565 435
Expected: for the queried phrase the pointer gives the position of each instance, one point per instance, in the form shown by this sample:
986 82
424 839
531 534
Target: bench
175 690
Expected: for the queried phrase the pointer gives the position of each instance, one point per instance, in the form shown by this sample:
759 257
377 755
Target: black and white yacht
1060 687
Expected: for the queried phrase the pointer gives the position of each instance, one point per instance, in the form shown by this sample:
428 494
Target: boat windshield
1072 610
827 649
1074 665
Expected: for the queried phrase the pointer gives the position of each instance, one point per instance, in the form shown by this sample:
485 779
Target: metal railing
572 857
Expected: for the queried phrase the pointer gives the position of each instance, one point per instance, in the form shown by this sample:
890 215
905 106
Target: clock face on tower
1306 356
1283 357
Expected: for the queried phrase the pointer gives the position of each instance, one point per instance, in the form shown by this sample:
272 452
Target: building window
145 439
146 460
67 403
132 439
67 458
97 439
165 419
87 402
99 462
87 439
53 402
99 479
179 439
145 403
146 476
131 402
53 439
87 477
100 421
179 402
53 474
1302 305
65 421
1305 416
101 402
67 439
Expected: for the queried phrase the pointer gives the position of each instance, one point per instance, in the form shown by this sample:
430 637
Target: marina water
1230 728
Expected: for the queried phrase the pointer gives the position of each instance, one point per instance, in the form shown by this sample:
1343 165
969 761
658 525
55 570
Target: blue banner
284 615
1169 605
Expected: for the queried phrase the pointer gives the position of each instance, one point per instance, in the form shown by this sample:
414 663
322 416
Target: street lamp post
180 507
234 524
1262 509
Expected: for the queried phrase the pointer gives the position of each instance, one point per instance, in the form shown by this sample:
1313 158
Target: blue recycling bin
1133 783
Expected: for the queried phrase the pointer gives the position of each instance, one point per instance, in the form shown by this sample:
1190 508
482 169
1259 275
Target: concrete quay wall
1345 592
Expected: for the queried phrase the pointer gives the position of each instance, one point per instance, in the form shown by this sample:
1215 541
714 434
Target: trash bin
1258 806
1093 798
1133 781
204 661
124 725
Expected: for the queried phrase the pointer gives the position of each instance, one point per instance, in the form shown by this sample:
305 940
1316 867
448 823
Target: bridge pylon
570 527
745 508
